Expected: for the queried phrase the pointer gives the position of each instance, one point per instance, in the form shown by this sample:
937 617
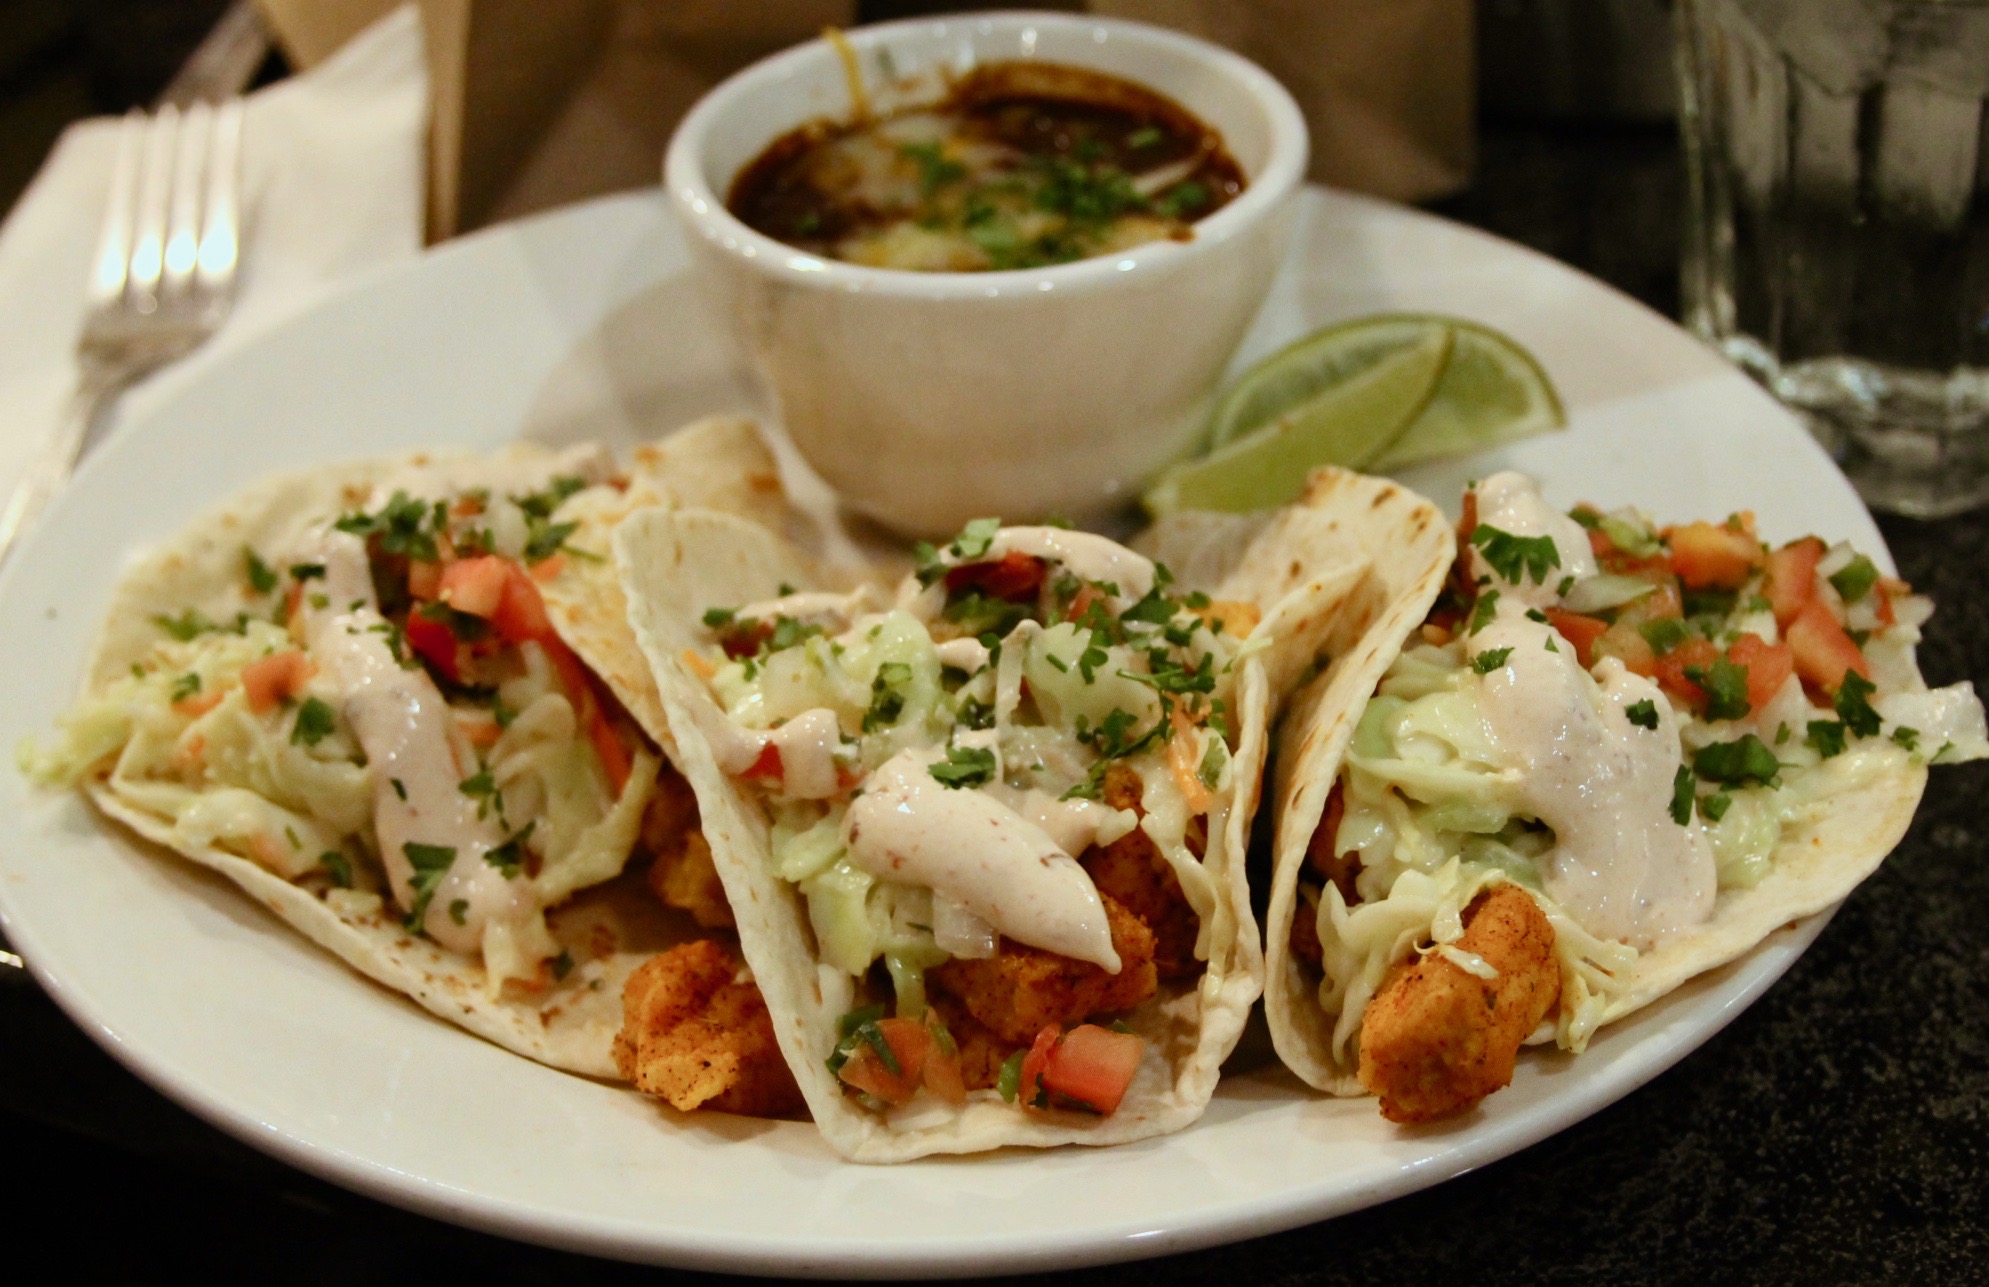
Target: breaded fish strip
981 1051
1437 1039
682 876
1131 870
697 1036
1019 989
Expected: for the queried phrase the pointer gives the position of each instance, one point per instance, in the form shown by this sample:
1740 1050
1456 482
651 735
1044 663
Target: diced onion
958 932
1605 590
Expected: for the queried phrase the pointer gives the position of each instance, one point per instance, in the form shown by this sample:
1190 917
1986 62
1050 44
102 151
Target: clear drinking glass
1837 226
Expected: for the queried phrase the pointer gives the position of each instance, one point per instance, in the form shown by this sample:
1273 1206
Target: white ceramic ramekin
927 399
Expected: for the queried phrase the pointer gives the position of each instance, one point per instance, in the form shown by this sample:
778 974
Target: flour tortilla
1820 859
572 1024
673 565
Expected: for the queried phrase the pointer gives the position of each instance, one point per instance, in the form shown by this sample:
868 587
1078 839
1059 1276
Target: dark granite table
1838 1130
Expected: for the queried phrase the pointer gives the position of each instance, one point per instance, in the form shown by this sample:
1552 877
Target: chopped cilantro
500 712
315 722
1907 737
1487 662
457 909
887 695
1551 645
1665 633
1709 602
1714 807
1681 796
482 787
1155 609
541 504
859 1026
980 614
190 624
1516 557
1852 707
1535 614
400 788
716 617
306 571
1827 736
562 965
544 538
1746 759
1725 685
1170 676
262 578
1196 600
430 863
1567 584
936 170
1145 136
789 632
403 526
1180 199
1482 613
509 857
1213 760
975 714
1855 579
964 766
338 867
1643 714
186 686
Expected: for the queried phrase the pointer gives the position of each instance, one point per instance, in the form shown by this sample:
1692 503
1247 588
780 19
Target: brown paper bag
1388 87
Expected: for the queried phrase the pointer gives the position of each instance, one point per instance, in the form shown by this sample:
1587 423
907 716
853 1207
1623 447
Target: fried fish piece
683 875
1020 989
981 1051
1131 870
1437 1039
697 1035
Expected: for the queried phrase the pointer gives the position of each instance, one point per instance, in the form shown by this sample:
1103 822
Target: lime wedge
1350 421
1308 367
1492 392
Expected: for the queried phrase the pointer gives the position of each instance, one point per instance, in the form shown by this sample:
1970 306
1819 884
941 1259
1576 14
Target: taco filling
387 720
1602 730
993 792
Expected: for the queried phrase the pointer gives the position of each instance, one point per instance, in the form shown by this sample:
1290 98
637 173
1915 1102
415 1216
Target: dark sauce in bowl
1020 165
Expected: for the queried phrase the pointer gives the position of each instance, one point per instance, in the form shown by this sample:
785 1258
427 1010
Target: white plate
583 323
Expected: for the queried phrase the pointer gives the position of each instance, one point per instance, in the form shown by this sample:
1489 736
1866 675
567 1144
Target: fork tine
190 156
148 247
220 236
113 262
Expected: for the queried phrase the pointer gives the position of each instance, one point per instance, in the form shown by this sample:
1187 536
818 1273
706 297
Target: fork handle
49 470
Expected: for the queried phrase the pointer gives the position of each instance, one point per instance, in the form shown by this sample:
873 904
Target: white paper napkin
332 171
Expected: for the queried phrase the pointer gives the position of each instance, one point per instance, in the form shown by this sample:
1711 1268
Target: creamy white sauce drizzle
1620 865
413 750
1511 502
1085 554
807 745
1075 824
973 849
816 607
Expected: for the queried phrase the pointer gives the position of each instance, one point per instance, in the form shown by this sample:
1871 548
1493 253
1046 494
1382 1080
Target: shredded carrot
196 706
1238 617
697 665
548 568
1435 634
1181 763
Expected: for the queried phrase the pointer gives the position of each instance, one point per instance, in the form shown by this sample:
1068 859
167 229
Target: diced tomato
435 644
271 681
1822 651
1184 765
521 613
475 586
1792 578
1768 667
1627 644
1012 576
1034 1063
910 1043
481 732
744 639
590 710
767 766
1579 630
1707 555
1094 1066
197 705
1669 670
942 1070
549 567
1087 594
424 578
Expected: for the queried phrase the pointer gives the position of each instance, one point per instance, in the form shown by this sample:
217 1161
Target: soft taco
983 830
1566 762
372 696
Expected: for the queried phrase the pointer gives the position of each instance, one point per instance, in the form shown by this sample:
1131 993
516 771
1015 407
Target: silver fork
161 283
